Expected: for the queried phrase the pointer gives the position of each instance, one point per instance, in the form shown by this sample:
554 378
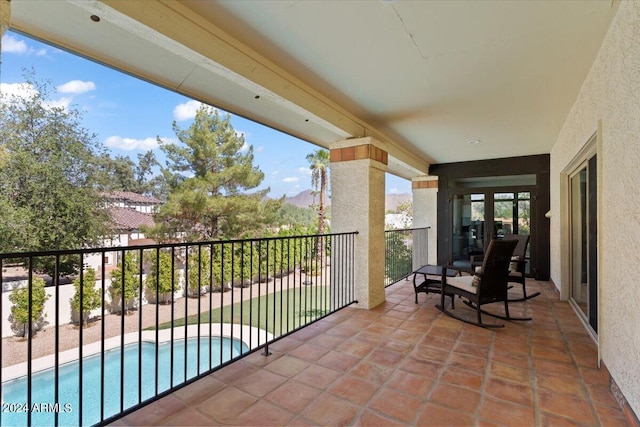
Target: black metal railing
405 251
136 323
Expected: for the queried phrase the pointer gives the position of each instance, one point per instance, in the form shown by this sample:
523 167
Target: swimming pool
14 393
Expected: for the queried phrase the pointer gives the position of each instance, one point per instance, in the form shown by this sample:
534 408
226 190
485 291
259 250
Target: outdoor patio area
408 364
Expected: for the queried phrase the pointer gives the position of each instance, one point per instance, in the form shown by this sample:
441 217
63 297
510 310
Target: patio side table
430 285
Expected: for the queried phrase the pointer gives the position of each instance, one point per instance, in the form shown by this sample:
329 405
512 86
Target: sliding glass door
583 216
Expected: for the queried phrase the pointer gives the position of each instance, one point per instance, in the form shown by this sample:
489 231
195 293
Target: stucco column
357 204
425 213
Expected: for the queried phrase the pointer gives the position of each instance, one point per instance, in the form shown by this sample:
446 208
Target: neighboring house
135 201
128 212
126 223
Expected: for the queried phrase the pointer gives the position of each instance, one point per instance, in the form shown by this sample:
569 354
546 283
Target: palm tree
319 161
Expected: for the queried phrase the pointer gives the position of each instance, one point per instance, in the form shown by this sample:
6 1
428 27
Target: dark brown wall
527 165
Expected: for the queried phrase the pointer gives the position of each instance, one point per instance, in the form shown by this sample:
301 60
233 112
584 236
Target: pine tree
210 173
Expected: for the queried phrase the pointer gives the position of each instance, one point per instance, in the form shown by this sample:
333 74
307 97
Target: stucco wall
611 93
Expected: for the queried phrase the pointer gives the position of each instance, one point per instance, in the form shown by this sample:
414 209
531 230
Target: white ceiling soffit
425 77
434 74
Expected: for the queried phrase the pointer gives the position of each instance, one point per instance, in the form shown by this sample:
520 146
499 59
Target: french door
481 215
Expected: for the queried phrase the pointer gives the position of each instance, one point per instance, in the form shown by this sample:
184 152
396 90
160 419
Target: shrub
19 297
131 282
160 275
199 275
90 294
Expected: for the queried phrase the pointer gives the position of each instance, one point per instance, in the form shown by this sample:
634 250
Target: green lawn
278 313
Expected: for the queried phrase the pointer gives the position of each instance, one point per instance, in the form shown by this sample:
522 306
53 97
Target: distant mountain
303 199
306 198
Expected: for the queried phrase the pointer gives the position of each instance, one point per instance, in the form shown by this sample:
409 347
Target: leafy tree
406 210
91 297
119 173
131 283
319 162
49 170
524 217
146 163
16 230
294 216
209 174
160 275
398 257
19 297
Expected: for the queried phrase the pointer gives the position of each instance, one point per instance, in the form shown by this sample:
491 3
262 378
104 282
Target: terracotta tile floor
408 364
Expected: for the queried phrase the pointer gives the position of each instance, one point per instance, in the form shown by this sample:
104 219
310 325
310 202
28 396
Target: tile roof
129 219
129 196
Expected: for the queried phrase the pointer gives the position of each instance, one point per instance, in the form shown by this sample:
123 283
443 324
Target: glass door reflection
468 226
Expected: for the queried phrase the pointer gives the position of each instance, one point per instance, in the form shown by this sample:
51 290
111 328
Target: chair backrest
521 247
495 270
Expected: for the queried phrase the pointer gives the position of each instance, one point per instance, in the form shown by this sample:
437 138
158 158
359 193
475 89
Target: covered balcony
403 363
480 104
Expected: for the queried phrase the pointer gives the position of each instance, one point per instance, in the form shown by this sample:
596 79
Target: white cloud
304 170
186 110
259 149
129 144
26 91
393 190
275 172
11 44
76 87
20 90
290 179
63 102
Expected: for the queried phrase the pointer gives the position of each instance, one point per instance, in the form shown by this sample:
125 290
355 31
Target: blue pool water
14 393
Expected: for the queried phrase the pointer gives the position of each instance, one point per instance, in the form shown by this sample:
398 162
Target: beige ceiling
426 77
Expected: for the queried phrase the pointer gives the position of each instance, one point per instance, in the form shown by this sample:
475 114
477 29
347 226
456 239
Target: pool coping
225 330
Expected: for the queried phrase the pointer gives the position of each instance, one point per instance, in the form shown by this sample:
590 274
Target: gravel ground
15 349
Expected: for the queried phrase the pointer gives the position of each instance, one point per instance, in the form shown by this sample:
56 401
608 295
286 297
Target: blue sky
127 114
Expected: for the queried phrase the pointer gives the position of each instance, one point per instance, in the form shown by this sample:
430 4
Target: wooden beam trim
424 184
359 152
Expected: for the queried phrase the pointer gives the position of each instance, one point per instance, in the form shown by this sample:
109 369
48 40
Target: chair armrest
521 265
452 267
477 259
